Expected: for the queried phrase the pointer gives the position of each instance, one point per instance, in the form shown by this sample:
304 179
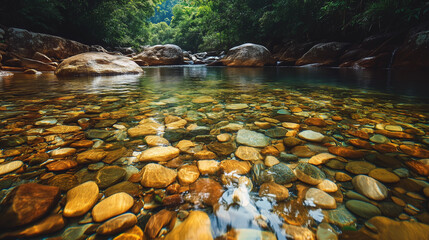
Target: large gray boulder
248 55
97 63
168 54
323 54
25 44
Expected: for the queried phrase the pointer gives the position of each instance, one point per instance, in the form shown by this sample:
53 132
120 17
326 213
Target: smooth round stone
390 209
231 127
208 166
426 191
203 99
146 128
188 174
109 176
134 233
283 112
273 190
81 199
311 135
370 187
245 233
157 176
157 221
383 175
98 134
290 125
302 151
252 139
132 189
154 141
342 177
309 174
248 153
187 230
96 166
378 138
112 206
236 106
91 156
292 141
10 167
363 209
356 196
61 165
205 190
327 186
326 232
298 232
185 145
159 154
359 167
27 203
277 132
336 164
340 216
321 158
63 152
224 137
279 173
320 199
393 128
118 224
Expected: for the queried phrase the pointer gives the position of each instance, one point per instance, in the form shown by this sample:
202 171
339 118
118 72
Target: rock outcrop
248 55
168 54
96 63
323 54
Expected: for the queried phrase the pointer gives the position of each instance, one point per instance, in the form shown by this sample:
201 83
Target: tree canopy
213 24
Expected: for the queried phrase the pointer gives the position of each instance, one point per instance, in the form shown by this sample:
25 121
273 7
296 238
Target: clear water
394 97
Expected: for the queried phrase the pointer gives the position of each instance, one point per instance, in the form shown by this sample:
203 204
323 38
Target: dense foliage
213 24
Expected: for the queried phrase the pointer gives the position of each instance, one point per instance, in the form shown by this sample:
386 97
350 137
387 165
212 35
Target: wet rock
251 138
195 227
390 209
208 166
327 186
159 154
235 166
64 181
107 176
63 129
147 128
326 232
394 134
134 233
277 132
205 190
243 234
315 122
321 158
188 174
415 151
383 175
324 54
157 176
203 99
311 135
309 174
248 153
97 64
359 167
10 167
125 186
280 174
413 54
167 54
26 204
224 137
63 152
46 226
320 199
46 122
378 138
222 149
163 218
79 232
236 106
12 141
115 155
81 199
302 151
154 141
273 190
204 155
112 206
370 187
91 156
346 152
386 228
248 55
360 143
340 216
118 224
298 232
363 209
271 161
98 134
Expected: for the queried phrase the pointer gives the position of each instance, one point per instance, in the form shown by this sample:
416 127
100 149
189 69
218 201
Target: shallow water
377 107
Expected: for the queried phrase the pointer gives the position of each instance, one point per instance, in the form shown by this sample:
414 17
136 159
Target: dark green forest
213 24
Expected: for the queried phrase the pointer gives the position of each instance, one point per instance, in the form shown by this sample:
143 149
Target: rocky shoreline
29 52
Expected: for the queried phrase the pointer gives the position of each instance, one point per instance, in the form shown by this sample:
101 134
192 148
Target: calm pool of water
264 152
